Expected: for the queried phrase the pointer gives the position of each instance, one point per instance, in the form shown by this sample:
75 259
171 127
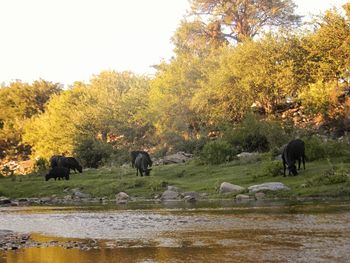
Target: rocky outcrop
179 157
230 188
273 186
122 198
170 195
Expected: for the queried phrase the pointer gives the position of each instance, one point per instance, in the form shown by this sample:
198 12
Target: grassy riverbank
324 178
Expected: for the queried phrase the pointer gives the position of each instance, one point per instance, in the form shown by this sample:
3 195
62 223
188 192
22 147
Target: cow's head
47 177
147 171
293 169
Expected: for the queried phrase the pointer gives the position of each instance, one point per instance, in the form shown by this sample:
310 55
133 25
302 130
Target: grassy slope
188 177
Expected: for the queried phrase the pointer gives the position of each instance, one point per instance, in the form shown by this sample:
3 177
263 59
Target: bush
92 152
254 135
177 143
316 98
272 168
41 165
316 148
333 175
194 146
216 152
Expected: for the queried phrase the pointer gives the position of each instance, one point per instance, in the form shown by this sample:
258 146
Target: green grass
187 177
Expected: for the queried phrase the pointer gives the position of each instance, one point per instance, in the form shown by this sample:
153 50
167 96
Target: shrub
316 98
92 152
254 135
41 165
272 168
333 175
194 146
316 148
216 152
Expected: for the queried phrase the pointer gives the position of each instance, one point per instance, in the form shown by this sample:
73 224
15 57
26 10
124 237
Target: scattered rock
170 195
241 197
172 188
247 157
230 188
190 196
189 199
259 195
273 186
179 157
122 198
5 201
77 193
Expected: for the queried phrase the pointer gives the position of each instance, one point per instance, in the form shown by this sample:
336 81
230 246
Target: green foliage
18 103
333 175
216 152
41 165
272 168
316 97
92 153
253 134
316 148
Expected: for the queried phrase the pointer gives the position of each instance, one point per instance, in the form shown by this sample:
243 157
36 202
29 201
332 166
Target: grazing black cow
68 162
141 164
294 151
134 154
58 172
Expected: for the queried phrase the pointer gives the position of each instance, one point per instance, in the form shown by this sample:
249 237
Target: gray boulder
5 201
259 196
77 193
190 196
170 195
230 188
179 157
273 186
122 197
242 197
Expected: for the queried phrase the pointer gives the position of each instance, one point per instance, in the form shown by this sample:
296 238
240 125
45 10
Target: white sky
70 40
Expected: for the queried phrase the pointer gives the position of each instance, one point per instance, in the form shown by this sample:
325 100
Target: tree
329 47
243 19
196 39
18 103
108 107
171 93
265 72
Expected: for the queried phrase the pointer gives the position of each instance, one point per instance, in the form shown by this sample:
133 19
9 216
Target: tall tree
243 19
18 103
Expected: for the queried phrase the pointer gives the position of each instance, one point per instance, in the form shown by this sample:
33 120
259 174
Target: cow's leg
299 161
303 161
284 168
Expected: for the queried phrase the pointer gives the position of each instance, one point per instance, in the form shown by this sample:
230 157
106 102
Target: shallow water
248 233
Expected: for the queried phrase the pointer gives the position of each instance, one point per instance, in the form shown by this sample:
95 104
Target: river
265 232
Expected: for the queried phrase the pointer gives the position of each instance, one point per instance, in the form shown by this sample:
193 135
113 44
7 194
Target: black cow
58 172
68 162
134 154
141 164
294 151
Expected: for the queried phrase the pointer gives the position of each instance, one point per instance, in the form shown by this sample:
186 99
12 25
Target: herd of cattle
60 165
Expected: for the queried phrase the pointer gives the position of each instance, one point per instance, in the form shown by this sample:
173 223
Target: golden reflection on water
120 255
253 237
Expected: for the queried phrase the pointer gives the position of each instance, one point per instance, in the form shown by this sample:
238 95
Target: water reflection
295 233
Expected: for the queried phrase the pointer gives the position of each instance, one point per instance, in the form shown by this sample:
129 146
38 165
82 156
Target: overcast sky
69 40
